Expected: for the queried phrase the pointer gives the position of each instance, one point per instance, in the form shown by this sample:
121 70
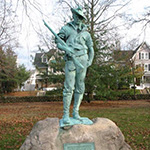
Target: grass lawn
132 117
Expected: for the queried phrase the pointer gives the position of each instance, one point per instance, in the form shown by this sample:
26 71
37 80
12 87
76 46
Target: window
138 66
142 55
44 59
145 67
146 55
148 67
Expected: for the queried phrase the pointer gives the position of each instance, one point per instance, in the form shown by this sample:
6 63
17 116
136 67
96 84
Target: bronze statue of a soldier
79 40
76 41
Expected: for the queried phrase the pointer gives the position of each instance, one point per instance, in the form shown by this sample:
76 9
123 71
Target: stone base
73 121
103 133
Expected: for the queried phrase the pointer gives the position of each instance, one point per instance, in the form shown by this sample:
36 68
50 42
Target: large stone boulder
47 135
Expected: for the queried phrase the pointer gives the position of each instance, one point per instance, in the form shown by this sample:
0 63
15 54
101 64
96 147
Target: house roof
50 53
126 55
141 45
123 55
38 61
144 44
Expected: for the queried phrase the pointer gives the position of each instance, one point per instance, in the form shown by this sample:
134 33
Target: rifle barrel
76 62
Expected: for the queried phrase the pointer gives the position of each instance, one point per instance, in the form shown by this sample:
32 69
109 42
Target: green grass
16 121
133 122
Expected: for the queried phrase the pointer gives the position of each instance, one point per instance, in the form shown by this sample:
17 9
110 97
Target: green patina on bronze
79 146
76 41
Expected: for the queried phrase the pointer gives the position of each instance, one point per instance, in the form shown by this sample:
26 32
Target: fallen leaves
132 117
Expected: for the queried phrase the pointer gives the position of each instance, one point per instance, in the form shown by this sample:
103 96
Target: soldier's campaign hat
78 11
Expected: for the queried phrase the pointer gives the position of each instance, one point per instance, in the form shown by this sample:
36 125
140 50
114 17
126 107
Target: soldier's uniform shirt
79 40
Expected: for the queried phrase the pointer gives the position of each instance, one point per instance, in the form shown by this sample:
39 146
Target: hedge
13 99
127 97
56 98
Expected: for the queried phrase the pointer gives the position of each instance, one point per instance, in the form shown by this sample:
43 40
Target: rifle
65 47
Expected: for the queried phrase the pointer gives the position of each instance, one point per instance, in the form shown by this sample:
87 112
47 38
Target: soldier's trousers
74 76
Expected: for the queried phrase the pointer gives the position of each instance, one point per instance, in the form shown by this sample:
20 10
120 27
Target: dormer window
44 59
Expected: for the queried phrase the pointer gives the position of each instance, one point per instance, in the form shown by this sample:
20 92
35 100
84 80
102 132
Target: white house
42 64
138 58
29 85
141 57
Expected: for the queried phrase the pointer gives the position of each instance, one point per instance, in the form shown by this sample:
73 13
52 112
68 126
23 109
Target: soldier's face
77 19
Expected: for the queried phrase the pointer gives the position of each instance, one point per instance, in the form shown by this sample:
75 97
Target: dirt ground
92 104
113 104
132 117
22 93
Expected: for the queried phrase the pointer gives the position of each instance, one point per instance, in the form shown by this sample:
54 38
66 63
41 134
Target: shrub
110 95
121 95
30 99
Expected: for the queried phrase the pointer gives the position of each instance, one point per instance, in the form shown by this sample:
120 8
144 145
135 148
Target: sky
47 10
136 8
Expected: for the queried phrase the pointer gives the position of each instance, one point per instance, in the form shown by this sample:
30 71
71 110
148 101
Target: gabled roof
50 53
138 48
123 56
38 61
141 45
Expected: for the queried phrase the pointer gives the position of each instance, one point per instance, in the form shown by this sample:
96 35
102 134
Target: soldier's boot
66 108
77 101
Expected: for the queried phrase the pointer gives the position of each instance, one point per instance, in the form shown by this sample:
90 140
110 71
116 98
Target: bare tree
9 26
100 16
133 44
144 19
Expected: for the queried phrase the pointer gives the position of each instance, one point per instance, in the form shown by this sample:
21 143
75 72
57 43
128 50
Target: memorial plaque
79 146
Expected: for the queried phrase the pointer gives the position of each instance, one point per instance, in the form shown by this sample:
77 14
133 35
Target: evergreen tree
8 69
103 76
10 75
21 75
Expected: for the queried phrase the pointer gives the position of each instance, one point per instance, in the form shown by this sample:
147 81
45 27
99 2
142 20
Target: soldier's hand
65 48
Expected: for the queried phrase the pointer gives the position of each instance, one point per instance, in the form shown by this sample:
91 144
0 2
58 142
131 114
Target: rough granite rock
46 135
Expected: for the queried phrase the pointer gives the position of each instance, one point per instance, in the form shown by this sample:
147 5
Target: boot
77 101
66 106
